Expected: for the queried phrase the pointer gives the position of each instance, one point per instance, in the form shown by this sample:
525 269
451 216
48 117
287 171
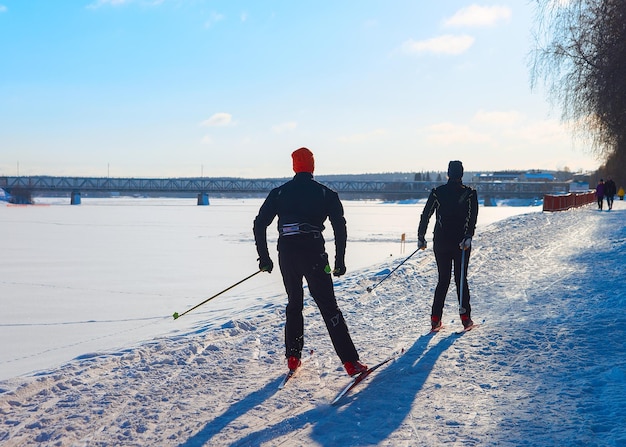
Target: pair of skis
465 329
354 381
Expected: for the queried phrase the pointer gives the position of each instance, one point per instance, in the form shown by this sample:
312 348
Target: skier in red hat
302 206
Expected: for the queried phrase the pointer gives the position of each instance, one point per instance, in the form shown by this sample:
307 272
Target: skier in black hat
456 206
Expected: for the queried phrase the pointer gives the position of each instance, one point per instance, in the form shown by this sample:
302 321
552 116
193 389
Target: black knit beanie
455 170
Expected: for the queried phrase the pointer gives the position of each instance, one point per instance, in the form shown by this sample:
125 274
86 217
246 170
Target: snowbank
546 368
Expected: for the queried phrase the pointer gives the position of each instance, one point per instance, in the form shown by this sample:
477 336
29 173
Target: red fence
567 201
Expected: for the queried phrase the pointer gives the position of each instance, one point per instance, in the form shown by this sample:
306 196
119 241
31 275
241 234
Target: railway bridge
23 188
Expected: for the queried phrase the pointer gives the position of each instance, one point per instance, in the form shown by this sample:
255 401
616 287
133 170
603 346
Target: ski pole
177 315
369 289
462 310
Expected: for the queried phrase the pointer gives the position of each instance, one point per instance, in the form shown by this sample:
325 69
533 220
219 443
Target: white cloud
363 137
446 44
544 133
479 16
207 139
220 119
213 19
447 134
3 8
99 3
284 127
499 139
497 118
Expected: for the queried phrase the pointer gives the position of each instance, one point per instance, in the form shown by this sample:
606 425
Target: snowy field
111 272
91 356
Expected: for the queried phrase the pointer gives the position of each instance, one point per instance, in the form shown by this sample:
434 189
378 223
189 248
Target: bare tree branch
580 55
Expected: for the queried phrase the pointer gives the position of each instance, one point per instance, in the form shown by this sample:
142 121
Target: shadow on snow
342 424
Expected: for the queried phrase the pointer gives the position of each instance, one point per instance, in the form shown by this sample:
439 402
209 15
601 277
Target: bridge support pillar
488 201
203 199
75 198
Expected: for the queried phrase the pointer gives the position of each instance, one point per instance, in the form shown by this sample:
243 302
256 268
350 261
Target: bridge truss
42 185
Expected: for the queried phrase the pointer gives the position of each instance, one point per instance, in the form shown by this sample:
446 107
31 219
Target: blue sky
171 88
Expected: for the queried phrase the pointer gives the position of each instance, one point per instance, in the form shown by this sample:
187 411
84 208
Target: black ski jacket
609 188
302 206
456 206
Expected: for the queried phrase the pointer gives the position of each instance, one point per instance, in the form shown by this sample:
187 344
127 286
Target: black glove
266 264
421 243
340 267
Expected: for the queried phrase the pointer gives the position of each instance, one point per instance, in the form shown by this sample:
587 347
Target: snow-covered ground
547 367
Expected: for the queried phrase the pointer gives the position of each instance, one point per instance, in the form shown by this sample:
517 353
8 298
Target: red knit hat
303 160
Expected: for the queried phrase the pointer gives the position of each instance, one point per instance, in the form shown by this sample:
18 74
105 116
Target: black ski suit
456 206
609 192
302 205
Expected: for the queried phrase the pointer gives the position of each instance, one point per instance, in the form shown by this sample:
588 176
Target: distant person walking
456 206
600 193
609 191
302 205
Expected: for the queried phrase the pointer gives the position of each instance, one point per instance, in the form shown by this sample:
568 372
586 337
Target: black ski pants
306 261
447 258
